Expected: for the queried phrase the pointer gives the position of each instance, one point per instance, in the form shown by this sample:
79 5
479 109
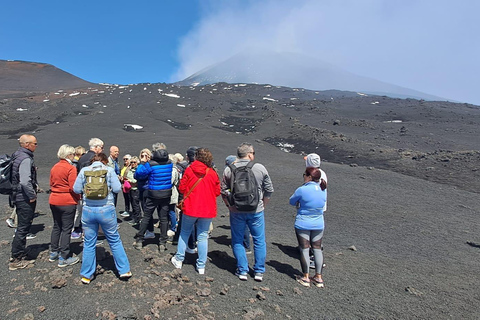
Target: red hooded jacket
201 202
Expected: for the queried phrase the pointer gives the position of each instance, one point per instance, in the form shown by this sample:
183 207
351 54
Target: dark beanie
191 153
160 156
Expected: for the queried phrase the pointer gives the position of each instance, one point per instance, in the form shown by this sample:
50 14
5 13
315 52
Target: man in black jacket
25 186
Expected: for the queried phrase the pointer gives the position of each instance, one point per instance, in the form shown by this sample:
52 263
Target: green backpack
96 187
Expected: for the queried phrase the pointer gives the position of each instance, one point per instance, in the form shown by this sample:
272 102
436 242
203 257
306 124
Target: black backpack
6 174
244 188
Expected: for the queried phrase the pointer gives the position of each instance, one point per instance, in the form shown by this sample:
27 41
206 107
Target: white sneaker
170 233
201 271
149 235
191 251
10 222
177 263
125 214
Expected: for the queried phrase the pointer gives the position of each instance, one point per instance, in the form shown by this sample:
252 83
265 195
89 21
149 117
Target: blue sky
427 45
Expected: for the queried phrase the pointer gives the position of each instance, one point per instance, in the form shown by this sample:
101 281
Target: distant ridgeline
22 76
296 71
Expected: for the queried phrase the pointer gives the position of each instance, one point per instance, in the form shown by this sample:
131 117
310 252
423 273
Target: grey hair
64 151
158 146
244 149
95 142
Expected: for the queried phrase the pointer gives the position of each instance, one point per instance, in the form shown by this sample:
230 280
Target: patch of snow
269 99
21 109
74 94
84 106
224 123
181 105
375 102
46 100
171 95
362 94
195 84
394 121
134 127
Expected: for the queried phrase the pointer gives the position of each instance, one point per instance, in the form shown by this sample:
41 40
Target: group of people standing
158 181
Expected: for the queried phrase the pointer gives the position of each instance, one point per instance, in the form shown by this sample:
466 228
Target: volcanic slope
431 140
396 245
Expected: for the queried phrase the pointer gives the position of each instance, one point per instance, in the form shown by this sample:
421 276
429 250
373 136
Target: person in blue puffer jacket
310 199
158 173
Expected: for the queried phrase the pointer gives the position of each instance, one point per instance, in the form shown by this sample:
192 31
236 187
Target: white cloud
428 45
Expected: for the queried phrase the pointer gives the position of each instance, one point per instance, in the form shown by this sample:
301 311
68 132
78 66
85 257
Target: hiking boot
162 248
19 263
67 262
176 263
10 223
138 244
53 256
258 276
149 235
241 276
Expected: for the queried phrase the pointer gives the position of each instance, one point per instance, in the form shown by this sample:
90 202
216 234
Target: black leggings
307 239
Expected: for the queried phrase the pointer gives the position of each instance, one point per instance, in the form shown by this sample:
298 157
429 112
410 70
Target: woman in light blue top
100 212
310 201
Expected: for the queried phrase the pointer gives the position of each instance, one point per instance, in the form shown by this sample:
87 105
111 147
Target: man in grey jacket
254 219
25 186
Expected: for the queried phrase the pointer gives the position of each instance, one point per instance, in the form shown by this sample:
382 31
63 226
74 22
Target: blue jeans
188 223
256 224
106 217
172 216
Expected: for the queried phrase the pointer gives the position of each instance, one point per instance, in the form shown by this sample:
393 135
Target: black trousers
136 212
162 207
63 218
127 200
25 213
